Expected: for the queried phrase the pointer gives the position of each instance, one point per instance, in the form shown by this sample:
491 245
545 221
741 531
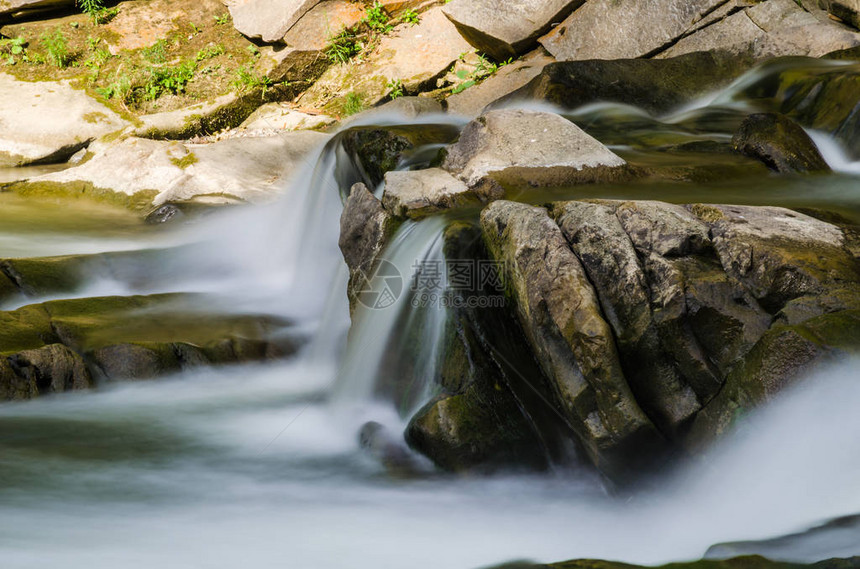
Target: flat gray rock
505 29
528 147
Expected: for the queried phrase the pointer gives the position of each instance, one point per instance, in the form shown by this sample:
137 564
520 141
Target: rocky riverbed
583 247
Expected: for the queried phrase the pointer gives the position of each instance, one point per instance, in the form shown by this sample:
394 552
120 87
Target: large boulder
414 55
48 121
651 327
144 173
506 29
561 315
617 29
522 148
780 143
769 29
365 230
656 86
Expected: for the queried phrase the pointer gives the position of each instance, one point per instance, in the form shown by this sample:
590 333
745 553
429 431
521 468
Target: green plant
396 88
58 48
209 52
410 16
247 80
13 46
377 19
121 89
170 80
156 53
222 19
106 15
352 104
91 8
342 47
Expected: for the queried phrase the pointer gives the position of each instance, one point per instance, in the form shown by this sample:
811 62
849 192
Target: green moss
186 161
25 329
139 201
707 213
95 117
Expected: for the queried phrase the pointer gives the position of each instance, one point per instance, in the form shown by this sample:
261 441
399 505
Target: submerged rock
500 29
66 344
780 143
656 86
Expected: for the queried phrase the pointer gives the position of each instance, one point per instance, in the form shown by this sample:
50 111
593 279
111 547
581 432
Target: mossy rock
139 201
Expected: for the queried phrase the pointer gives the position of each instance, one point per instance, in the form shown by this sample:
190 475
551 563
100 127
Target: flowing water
258 465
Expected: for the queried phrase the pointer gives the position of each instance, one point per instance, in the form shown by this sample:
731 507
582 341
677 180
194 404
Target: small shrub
58 48
352 104
247 80
121 89
91 8
410 16
13 46
377 19
164 80
342 47
106 15
396 87
156 53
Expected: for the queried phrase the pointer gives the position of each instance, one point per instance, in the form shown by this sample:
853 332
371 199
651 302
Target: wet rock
365 229
390 451
48 122
526 148
420 193
165 214
623 289
779 254
499 28
477 430
780 143
612 29
51 369
652 325
563 321
374 151
656 86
